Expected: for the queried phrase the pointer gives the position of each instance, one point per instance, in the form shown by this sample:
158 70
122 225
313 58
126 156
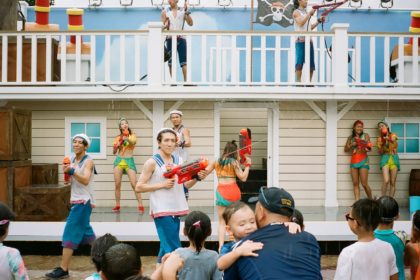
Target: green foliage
31 2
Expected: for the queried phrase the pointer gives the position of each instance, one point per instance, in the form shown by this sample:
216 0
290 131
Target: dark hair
232 209
197 228
6 215
416 220
230 150
159 136
120 261
366 212
137 277
354 125
389 209
99 247
297 218
296 4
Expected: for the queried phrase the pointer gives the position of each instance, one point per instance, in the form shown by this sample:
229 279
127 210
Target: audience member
412 252
99 247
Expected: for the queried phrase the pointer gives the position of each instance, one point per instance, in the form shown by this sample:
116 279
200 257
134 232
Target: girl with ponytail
199 263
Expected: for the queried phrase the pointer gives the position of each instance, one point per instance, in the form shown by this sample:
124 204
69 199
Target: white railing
214 58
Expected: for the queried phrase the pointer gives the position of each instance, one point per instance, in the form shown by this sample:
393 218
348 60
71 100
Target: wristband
71 172
319 20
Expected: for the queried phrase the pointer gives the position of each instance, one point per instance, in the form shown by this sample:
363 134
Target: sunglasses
349 218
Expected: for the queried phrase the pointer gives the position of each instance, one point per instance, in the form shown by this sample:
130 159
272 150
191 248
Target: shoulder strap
158 160
81 163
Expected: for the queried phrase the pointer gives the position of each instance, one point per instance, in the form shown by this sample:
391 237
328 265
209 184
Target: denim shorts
300 56
181 48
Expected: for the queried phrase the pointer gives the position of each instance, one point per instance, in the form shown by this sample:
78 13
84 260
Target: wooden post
8 15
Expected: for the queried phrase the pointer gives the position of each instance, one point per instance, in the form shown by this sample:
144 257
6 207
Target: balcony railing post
340 54
155 57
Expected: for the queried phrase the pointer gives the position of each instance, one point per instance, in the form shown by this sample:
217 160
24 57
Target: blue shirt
284 256
397 244
226 248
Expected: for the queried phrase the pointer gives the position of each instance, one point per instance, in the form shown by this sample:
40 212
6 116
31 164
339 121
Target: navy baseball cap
274 199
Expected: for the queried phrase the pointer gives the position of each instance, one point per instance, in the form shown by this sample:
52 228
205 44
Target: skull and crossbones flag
277 11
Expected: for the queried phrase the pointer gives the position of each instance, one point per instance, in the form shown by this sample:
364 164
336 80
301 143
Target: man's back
284 256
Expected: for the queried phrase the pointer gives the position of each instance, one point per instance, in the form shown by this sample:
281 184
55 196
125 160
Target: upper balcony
242 65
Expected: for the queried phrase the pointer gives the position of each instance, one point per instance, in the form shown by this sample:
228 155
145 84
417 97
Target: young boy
368 258
11 262
240 222
99 247
389 213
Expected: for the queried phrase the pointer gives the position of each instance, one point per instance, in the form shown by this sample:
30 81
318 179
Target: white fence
213 58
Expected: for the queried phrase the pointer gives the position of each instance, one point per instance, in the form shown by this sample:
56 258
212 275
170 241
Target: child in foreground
368 258
11 262
412 250
198 262
99 247
389 213
240 222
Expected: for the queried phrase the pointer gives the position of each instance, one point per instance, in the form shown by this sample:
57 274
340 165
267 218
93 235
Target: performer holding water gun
387 145
228 168
358 143
167 199
124 145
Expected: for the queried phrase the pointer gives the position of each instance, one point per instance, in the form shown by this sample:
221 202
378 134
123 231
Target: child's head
240 220
197 228
297 218
415 231
120 262
100 246
6 215
389 209
364 215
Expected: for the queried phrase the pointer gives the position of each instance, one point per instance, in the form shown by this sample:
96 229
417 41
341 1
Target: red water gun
333 6
186 171
123 137
67 176
245 143
363 144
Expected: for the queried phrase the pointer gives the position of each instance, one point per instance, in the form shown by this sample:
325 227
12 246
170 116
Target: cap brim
253 200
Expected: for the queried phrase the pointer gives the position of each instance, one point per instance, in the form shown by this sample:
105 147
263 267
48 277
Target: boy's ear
103 277
228 230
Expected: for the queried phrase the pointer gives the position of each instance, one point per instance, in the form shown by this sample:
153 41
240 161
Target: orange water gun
245 143
67 176
186 171
363 144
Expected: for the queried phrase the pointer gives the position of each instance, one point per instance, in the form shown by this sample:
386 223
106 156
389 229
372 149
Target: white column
331 155
158 121
273 147
155 57
340 54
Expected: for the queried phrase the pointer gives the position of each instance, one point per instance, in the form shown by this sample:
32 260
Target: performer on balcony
387 145
358 143
228 169
167 198
174 18
78 229
302 19
124 145
184 140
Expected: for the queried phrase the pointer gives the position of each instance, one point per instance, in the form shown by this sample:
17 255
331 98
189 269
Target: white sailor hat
84 137
175 112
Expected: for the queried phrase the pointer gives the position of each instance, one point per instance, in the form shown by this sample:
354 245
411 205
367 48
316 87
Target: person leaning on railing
302 18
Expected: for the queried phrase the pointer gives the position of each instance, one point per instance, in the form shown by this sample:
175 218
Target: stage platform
327 224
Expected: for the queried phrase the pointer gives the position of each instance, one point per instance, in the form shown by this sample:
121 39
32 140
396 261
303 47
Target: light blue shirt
201 266
397 244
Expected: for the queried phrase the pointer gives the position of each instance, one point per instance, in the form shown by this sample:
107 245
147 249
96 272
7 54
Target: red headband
358 122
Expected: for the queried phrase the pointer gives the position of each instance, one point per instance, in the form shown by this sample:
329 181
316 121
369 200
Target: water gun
245 143
362 144
124 138
186 171
67 176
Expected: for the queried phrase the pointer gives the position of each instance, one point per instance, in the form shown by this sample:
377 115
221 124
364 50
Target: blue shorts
181 48
300 56
78 229
168 231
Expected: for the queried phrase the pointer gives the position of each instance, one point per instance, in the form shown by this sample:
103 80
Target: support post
340 54
331 155
158 121
155 50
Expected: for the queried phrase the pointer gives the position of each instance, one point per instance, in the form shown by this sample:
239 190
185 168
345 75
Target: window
408 132
94 127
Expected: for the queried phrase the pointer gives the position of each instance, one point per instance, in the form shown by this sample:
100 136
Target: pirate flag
277 11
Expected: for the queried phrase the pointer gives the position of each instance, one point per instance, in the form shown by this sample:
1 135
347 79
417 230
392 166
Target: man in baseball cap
291 256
